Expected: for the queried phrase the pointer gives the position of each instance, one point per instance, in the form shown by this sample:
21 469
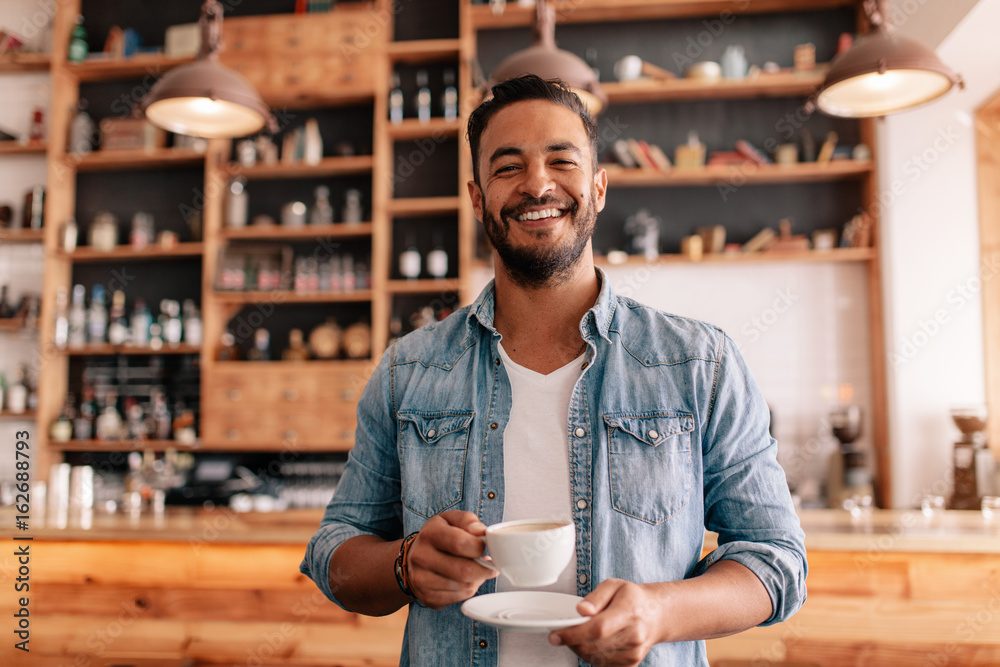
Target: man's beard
536 267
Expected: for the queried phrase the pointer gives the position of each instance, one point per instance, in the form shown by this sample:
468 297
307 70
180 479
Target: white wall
931 253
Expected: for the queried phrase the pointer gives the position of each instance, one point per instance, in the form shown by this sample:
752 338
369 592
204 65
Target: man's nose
537 181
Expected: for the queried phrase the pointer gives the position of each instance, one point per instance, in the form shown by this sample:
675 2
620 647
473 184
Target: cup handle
488 564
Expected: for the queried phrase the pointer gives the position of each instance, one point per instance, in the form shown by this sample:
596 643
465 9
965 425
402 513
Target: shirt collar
597 320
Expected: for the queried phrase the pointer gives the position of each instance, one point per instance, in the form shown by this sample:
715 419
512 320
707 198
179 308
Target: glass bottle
409 260
142 319
321 212
108 425
349 282
313 143
237 203
83 425
135 424
60 336
17 392
77 316
423 97
261 350
449 101
170 321
143 231
6 309
81 131
97 316
192 323
396 100
103 232
78 48
437 259
227 350
352 213
161 416
69 234
36 134
62 428
117 322
297 350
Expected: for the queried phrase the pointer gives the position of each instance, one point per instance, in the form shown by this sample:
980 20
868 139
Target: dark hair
520 89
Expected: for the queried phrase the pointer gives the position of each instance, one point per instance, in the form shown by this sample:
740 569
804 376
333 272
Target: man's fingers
465 520
599 598
454 533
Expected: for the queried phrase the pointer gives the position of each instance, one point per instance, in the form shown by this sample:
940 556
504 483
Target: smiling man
552 397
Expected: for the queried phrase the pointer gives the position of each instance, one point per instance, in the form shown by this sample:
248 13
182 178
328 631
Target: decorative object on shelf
786 154
131 134
325 339
103 232
692 247
808 145
97 316
237 203
713 238
544 59
734 62
246 153
77 318
449 100
690 155
293 214
6 216
437 258
182 40
167 239
849 474
118 333
143 231
36 132
410 260
396 101
34 208
261 350
760 241
292 146
706 71
883 72
751 152
321 212
267 150
312 150
68 234
296 350
786 241
82 131
170 322
192 323
227 350
805 57
357 341
824 239
142 321
826 150
204 98
422 103
643 232
78 49
353 213
861 153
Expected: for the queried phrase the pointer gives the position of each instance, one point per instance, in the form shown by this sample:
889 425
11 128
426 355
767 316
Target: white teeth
538 215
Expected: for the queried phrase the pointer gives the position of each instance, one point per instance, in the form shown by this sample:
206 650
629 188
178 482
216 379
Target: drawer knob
348 395
291 435
290 395
234 395
233 434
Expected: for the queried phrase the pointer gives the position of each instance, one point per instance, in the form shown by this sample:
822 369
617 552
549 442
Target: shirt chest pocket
650 464
432 448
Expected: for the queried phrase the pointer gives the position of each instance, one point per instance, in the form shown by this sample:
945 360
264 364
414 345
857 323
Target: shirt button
431 433
496 362
581 504
584 365
483 643
493 426
579 432
582 578
491 495
653 435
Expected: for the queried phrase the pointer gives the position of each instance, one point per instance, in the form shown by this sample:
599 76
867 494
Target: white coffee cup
530 552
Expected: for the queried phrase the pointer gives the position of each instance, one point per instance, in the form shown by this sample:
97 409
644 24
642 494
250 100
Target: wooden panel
886 654
988 176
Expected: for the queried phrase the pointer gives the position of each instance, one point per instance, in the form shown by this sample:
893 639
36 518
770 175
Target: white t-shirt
536 486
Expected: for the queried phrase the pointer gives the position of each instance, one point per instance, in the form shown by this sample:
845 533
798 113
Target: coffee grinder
849 475
972 461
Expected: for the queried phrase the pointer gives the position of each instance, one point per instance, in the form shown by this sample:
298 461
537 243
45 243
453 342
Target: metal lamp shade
551 63
205 99
881 74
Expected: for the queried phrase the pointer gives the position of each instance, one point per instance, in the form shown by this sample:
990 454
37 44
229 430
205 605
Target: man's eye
563 162
507 168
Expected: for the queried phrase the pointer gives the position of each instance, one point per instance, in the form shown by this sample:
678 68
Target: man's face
540 196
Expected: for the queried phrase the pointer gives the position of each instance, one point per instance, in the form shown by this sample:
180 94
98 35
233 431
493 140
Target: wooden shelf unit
780 84
288 296
339 230
423 286
423 206
436 128
424 51
26 416
748 173
158 446
122 160
22 235
17 148
107 349
331 166
101 69
834 255
25 62
124 253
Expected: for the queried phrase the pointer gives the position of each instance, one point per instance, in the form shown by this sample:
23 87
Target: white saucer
533 611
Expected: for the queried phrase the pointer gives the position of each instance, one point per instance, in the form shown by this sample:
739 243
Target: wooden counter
214 588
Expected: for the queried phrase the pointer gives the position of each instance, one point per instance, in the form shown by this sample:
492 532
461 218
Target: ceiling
932 20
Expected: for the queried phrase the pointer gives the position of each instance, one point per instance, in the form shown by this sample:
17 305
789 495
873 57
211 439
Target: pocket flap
434 426
652 429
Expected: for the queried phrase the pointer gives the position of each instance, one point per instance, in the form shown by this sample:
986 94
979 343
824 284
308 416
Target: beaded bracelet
402 577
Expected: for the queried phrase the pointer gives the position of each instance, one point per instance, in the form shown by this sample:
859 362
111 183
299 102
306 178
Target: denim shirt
668 436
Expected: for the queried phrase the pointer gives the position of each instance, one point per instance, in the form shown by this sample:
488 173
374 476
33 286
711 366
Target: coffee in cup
530 552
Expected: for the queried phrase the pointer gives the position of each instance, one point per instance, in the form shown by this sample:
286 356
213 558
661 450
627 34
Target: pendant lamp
204 98
883 72
545 60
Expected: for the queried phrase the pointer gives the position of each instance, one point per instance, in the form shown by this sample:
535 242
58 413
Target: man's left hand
626 622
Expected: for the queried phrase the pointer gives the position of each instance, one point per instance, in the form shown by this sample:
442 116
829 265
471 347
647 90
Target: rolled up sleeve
747 501
367 500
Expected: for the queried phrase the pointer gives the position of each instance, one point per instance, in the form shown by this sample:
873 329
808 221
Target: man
550 396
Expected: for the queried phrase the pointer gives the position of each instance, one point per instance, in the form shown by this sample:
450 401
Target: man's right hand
439 564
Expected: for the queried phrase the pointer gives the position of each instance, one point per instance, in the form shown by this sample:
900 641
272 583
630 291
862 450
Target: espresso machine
849 473
972 461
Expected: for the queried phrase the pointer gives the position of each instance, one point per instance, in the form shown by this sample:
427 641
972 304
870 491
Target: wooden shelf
121 445
779 84
331 166
411 128
420 206
737 175
114 69
834 255
362 93
13 325
307 232
21 235
127 253
27 416
424 51
17 148
598 11
288 296
128 160
99 349
423 286
25 62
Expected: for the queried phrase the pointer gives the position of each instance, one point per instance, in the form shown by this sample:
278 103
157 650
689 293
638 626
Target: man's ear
476 196
601 184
